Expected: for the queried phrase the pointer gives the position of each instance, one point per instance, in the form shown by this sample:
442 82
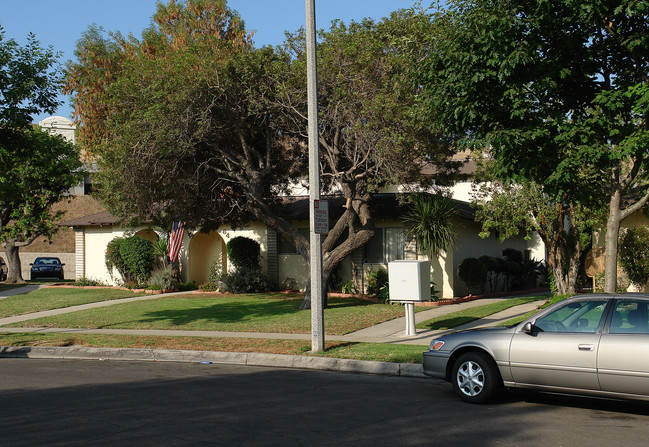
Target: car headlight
436 345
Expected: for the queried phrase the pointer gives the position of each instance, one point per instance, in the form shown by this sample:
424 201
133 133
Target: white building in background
58 125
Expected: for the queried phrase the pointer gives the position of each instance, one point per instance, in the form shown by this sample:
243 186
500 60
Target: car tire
475 377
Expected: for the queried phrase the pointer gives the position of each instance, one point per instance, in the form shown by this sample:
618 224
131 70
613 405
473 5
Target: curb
216 357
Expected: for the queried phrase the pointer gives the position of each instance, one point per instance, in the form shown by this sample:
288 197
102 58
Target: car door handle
586 347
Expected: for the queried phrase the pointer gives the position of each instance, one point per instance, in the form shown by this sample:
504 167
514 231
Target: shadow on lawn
448 323
238 311
224 312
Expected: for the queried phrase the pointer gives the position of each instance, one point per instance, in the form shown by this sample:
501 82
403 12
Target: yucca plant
161 251
430 223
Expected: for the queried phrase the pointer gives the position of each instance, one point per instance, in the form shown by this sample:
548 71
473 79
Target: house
89 228
280 259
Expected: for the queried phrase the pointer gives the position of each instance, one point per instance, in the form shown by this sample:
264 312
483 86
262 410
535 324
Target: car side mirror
62 264
528 328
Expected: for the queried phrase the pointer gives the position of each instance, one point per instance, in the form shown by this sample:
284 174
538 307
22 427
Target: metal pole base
410 319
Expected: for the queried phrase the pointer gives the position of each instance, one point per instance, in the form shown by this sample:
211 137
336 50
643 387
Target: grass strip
279 313
58 297
396 353
465 316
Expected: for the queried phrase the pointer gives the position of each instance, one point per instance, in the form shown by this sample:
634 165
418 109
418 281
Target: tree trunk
358 222
560 252
14 268
611 242
306 301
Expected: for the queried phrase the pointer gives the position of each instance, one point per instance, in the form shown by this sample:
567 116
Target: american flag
176 240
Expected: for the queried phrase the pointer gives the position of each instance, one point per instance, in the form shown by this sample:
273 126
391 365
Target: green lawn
465 316
241 313
58 297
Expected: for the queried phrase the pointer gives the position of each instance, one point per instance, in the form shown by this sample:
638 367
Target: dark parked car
49 267
589 344
3 270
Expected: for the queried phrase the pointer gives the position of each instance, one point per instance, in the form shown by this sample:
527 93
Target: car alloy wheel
470 378
475 377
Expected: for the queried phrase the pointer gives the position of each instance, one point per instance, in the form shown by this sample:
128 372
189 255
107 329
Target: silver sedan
589 344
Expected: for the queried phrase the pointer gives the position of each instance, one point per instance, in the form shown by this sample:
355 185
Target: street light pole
317 311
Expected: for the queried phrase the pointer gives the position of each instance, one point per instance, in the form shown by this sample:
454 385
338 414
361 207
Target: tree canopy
203 127
30 79
556 92
36 169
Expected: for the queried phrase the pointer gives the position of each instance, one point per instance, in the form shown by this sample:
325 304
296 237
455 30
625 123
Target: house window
286 247
386 245
394 244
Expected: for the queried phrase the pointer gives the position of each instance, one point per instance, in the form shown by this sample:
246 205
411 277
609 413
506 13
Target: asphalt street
53 402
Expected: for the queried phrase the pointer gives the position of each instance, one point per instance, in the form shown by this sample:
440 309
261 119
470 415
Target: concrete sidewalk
19 290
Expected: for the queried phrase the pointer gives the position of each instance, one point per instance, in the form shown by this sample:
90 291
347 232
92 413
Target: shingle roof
383 206
93 220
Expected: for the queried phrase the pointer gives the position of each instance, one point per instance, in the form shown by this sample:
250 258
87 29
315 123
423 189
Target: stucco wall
293 270
91 256
470 245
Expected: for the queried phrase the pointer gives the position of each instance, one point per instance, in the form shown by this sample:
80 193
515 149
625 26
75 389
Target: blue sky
60 23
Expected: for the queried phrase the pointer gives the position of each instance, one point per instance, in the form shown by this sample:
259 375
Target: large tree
30 79
555 91
369 133
36 169
204 127
510 210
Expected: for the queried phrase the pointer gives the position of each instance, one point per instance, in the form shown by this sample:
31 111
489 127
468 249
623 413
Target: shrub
472 272
348 287
246 281
208 287
88 282
377 284
244 253
190 285
132 257
114 258
164 279
137 254
216 270
491 264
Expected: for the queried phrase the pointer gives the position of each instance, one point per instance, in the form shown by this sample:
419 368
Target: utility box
409 280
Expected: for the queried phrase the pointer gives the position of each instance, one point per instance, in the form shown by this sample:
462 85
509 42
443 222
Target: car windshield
47 261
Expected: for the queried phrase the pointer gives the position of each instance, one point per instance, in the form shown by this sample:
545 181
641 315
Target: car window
630 317
576 316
